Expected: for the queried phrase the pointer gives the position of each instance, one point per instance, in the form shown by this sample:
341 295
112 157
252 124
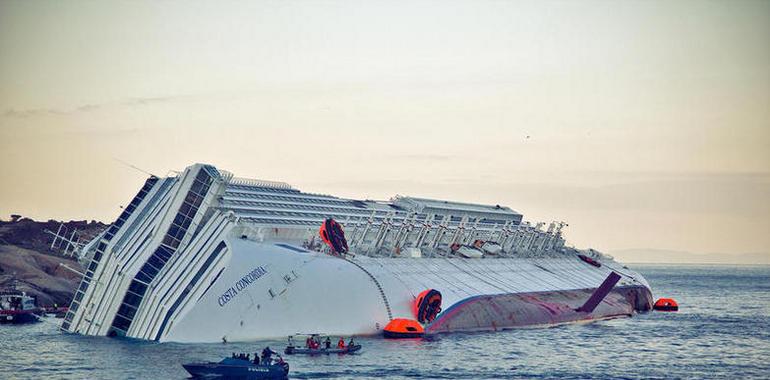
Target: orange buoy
401 328
427 305
665 304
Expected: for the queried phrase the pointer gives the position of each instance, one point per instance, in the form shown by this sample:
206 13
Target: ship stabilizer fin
600 293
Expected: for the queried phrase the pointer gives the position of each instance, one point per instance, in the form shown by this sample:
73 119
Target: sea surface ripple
721 331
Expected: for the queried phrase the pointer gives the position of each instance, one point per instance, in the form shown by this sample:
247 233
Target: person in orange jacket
341 343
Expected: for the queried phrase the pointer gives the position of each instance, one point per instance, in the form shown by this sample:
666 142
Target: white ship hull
337 297
224 275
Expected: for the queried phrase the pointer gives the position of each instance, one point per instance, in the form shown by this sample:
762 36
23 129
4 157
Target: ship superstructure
205 257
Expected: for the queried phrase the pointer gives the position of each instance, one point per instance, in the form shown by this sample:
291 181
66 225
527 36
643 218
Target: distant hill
641 255
31 234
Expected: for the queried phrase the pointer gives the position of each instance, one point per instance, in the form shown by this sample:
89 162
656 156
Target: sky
641 124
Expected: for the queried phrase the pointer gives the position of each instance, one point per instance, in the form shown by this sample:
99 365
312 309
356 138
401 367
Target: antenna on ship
133 167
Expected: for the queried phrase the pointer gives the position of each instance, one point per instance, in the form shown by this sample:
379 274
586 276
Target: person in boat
266 354
256 358
309 342
350 343
233 355
328 343
341 343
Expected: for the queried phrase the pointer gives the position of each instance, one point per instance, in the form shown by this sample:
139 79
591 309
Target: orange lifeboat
332 234
401 328
665 304
427 305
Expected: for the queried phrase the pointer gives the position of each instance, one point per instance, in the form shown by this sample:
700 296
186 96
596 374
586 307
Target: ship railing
385 237
259 183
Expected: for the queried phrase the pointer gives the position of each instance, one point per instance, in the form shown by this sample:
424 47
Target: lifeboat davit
402 328
332 234
665 304
427 305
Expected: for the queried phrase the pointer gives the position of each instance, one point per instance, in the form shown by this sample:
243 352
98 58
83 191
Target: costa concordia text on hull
205 257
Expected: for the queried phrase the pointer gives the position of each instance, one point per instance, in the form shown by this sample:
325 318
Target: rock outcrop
28 263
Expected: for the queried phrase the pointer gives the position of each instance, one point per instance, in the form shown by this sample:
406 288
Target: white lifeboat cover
471 253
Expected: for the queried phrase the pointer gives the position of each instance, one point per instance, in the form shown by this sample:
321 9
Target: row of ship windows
193 200
419 217
201 184
282 221
84 283
454 220
153 265
212 171
121 323
263 189
203 269
273 190
289 199
164 186
315 222
163 253
297 214
130 208
300 206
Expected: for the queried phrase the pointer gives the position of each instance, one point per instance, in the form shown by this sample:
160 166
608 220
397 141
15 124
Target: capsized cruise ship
202 256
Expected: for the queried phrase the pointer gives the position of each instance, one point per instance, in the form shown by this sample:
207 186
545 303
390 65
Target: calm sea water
721 331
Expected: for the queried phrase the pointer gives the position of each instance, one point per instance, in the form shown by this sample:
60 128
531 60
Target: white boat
491 248
206 257
17 307
469 252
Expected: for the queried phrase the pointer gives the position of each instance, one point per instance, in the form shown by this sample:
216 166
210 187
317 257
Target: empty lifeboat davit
427 305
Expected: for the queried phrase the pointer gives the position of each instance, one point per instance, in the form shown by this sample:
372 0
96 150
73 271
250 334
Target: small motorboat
314 340
17 307
239 368
291 350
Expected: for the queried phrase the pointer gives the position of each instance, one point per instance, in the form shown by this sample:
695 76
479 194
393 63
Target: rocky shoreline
28 263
